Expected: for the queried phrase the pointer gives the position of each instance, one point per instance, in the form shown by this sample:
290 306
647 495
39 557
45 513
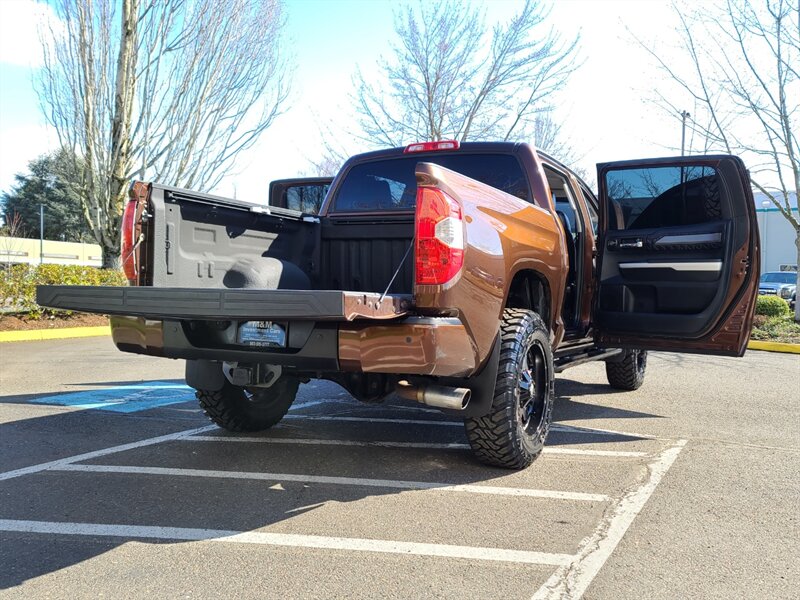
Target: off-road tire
628 373
513 433
238 409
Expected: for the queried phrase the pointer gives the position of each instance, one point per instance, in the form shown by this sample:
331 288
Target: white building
15 250
777 234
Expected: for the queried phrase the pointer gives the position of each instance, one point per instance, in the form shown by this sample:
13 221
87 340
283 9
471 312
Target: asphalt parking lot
113 484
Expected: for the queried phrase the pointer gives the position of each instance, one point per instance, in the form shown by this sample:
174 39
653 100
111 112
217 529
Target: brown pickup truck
463 276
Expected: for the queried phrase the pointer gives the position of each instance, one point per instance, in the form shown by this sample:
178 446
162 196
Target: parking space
342 478
340 499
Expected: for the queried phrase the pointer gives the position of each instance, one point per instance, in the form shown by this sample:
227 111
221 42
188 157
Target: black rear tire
238 409
513 433
628 373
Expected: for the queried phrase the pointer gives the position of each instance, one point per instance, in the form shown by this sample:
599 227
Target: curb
32 335
773 346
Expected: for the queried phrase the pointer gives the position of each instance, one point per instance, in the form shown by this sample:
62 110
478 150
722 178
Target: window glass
662 197
391 184
563 201
567 214
779 277
589 201
306 198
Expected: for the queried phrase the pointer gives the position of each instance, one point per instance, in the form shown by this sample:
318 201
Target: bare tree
547 134
162 89
449 78
744 81
12 229
328 161
326 165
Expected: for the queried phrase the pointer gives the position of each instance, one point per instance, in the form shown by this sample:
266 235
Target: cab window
390 184
662 197
305 198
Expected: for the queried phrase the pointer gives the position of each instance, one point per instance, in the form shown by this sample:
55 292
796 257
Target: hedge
18 284
771 306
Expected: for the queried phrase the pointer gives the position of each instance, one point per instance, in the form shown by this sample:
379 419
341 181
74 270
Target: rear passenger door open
678 255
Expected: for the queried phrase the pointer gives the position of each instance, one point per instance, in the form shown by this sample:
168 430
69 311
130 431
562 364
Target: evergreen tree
53 182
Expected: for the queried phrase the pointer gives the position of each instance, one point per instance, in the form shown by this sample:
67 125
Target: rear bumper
412 346
326 331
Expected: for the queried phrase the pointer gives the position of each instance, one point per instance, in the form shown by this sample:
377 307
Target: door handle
629 243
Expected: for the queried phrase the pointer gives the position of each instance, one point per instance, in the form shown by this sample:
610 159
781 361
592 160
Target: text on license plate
262 333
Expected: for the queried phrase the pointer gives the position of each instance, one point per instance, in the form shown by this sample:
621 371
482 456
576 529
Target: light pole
765 243
41 234
684 115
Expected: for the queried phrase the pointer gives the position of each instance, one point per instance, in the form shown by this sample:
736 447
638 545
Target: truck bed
206 242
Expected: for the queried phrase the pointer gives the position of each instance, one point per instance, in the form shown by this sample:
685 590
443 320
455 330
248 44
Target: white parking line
555 427
309 404
380 444
598 431
319 442
123 447
571 581
376 420
104 452
585 452
285 539
326 480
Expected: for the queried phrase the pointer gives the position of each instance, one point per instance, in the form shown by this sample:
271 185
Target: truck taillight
128 250
439 245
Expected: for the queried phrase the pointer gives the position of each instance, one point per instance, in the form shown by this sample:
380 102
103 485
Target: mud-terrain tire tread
494 437
230 409
626 374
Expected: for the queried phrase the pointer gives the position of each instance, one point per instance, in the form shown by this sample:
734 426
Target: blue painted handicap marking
125 398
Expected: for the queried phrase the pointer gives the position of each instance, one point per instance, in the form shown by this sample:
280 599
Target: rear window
391 184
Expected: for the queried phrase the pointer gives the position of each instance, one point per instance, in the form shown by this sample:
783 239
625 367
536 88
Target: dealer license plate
263 334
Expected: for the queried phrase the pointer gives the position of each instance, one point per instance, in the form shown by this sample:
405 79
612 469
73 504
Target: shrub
771 306
777 329
18 284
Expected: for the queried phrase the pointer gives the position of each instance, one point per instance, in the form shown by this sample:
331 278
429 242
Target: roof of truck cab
525 153
504 147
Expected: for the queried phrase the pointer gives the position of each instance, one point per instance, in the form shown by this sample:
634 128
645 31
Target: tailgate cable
397 271
135 246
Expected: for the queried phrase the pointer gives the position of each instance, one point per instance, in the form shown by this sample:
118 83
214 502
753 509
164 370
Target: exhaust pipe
435 395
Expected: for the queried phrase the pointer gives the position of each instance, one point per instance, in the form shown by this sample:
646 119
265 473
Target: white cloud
19 31
18 146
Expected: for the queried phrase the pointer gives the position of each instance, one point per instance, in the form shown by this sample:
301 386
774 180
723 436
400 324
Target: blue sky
604 109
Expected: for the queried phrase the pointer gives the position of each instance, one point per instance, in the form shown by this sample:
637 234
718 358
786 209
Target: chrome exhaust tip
438 396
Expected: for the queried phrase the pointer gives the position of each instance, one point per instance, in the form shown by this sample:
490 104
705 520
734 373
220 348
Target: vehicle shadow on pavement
567 407
27 556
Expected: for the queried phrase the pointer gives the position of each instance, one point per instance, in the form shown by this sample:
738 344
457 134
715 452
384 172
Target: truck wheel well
529 290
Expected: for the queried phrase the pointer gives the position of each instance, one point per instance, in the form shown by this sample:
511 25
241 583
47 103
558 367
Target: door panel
678 255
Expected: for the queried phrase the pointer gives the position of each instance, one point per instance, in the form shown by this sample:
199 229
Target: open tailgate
212 304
